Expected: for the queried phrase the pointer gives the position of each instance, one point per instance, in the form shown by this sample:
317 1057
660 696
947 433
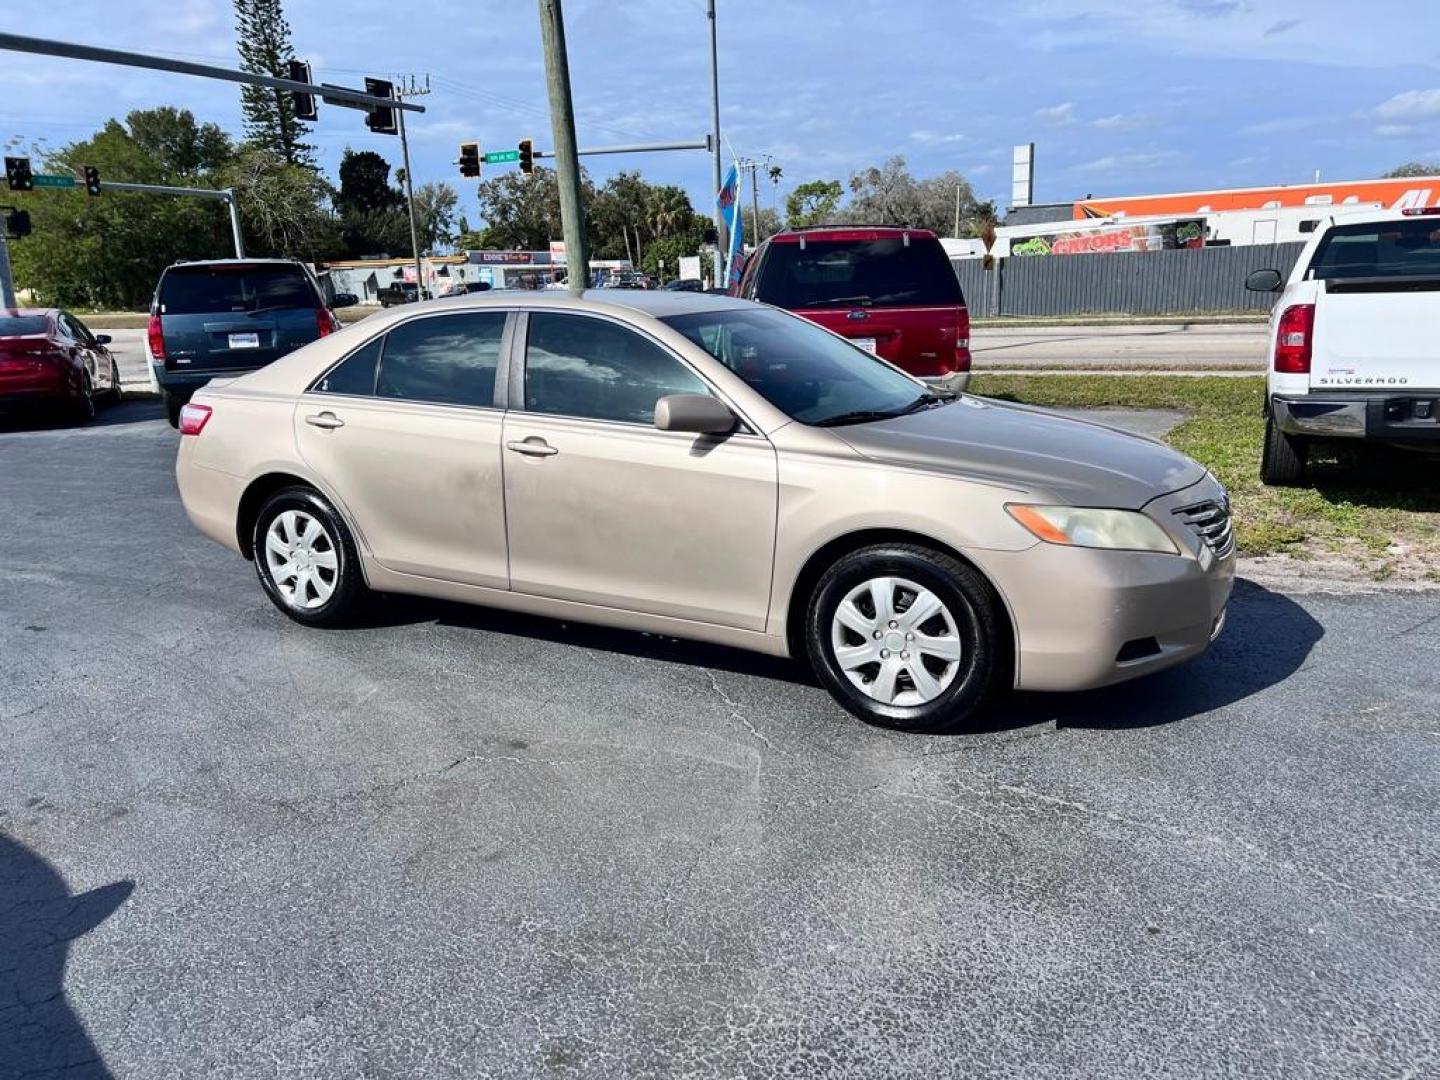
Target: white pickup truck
1354 339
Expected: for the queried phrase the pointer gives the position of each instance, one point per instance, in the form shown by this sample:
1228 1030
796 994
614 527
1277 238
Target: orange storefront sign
1391 194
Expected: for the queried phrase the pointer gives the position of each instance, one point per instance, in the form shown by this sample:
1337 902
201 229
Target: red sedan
49 358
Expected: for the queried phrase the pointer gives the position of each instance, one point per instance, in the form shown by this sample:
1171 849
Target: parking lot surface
458 843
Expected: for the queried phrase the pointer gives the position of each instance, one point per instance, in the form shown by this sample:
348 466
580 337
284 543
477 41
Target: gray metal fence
1139 283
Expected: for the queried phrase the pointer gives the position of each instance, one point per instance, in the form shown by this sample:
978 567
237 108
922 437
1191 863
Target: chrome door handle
327 420
532 447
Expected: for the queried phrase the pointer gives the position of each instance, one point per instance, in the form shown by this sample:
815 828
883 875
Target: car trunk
29 362
921 340
1377 333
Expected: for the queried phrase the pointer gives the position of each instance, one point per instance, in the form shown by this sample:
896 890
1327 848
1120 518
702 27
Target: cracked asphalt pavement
461 843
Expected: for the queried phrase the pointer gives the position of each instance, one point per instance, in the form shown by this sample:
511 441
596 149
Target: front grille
1211 522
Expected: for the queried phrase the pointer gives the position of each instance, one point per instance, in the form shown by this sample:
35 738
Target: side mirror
344 299
698 413
1264 281
103 339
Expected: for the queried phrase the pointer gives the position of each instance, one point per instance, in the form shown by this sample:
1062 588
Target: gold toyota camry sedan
710 468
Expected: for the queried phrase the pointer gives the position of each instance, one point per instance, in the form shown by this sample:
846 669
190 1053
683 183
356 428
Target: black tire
349 596
81 410
1282 462
972 604
116 394
173 404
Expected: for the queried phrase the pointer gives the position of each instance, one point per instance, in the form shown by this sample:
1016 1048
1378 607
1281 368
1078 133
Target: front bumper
1086 618
1384 416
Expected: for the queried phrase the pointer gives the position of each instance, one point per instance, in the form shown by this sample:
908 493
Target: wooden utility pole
567 161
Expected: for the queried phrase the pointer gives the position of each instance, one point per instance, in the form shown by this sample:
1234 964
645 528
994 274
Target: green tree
263 40
283 207
109 251
523 212
371 209
435 205
812 203
890 195
179 146
1412 168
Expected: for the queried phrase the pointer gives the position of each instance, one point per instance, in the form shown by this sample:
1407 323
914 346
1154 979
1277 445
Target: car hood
1074 461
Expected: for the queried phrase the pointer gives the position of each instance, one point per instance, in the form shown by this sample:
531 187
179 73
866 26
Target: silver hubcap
896 641
301 558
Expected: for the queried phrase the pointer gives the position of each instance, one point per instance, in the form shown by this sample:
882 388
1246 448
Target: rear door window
858 273
355 374
1409 248
200 289
444 359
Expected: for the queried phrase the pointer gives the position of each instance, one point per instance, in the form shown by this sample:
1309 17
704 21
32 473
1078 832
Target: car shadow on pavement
40 1035
398 610
1267 637
107 414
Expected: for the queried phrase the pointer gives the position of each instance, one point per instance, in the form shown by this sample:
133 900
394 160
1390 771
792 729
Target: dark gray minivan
230 316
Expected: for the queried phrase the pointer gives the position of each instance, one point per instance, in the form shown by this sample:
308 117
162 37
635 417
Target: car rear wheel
306 559
1282 462
905 637
82 408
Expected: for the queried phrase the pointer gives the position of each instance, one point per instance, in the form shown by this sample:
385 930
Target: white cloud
1120 122
1410 105
1393 131
1128 162
1280 125
932 138
1064 113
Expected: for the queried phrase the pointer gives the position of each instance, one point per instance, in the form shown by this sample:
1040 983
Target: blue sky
1120 96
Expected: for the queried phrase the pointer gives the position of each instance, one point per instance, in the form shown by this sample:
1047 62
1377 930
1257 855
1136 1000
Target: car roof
1340 216
847 232
653 302
235 262
17 312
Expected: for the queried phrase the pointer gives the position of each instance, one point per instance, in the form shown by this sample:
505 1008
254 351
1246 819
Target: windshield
22 325
805 372
197 290
859 273
1380 249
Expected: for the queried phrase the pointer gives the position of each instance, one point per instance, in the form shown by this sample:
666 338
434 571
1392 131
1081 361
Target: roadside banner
728 200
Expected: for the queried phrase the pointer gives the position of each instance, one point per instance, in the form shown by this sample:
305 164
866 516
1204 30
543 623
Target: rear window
874 273
18 325
196 290
1408 248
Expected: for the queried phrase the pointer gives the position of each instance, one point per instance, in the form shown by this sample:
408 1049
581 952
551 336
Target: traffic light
527 156
469 159
17 224
381 119
92 180
303 104
18 174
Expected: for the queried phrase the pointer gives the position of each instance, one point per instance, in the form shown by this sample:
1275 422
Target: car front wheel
905 637
306 559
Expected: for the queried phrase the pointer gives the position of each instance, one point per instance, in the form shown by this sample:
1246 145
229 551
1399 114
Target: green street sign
495 157
51 180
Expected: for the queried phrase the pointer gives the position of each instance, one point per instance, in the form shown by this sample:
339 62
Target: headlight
1077 526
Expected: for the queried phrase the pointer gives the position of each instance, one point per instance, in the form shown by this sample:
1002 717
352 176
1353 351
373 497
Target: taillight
962 341
1294 339
193 418
156 338
326 322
